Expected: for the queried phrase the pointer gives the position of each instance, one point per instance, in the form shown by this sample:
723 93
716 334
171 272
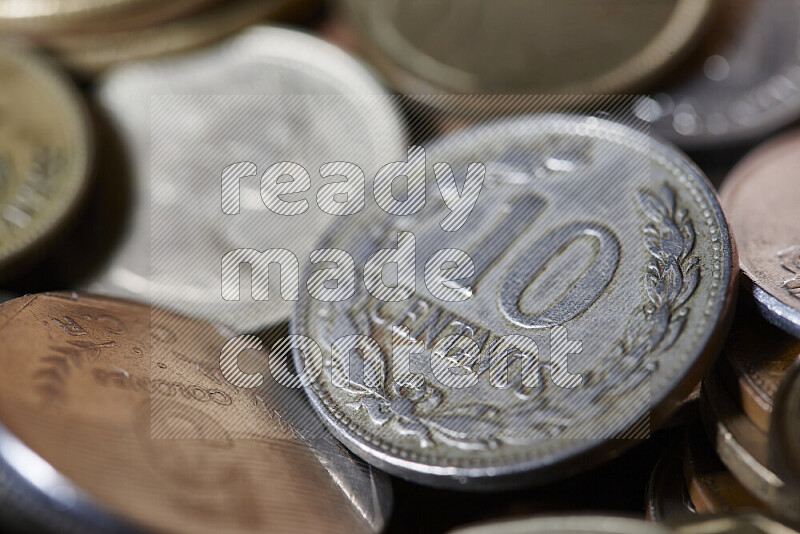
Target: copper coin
743 448
111 417
761 199
757 354
785 430
712 488
45 152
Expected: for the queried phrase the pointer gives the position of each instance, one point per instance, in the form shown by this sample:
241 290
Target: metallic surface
743 448
733 524
571 46
745 85
712 488
45 151
643 348
111 419
91 53
567 525
785 430
667 495
261 61
761 200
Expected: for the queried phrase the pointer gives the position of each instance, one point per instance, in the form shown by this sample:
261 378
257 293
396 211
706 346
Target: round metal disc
785 429
574 214
743 523
298 106
745 84
761 198
572 46
45 151
667 495
112 417
567 525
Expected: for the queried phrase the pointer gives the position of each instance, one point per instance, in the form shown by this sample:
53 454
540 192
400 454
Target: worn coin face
573 46
42 17
712 488
761 199
573 215
44 153
743 448
299 105
91 53
785 430
667 495
747 84
113 415
758 355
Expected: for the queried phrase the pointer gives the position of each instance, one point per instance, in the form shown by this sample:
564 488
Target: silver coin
567 525
584 228
747 85
196 135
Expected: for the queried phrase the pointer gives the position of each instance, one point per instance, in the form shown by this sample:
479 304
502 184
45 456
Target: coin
567 525
667 496
746 86
713 489
757 354
761 198
89 54
743 448
569 202
111 417
784 430
573 46
732 524
45 152
316 120
43 17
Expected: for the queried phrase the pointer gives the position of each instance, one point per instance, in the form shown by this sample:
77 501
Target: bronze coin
761 199
785 430
712 488
112 415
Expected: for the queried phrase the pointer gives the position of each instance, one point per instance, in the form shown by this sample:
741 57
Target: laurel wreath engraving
416 409
790 260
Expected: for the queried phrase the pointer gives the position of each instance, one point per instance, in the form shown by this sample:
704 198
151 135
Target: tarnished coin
45 152
91 53
567 525
116 417
746 86
757 354
304 101
42 17
752 523
761 200
785 429
667 495
589 239
712 488
571 46
743 448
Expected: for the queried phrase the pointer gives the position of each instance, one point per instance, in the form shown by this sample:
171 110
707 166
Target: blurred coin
667 496
761 198
758 355
743 448
747 84
89 54
785 429
574 214
45 17
567 525
732 524
299 107
523 47
45 152
712 488
111 417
